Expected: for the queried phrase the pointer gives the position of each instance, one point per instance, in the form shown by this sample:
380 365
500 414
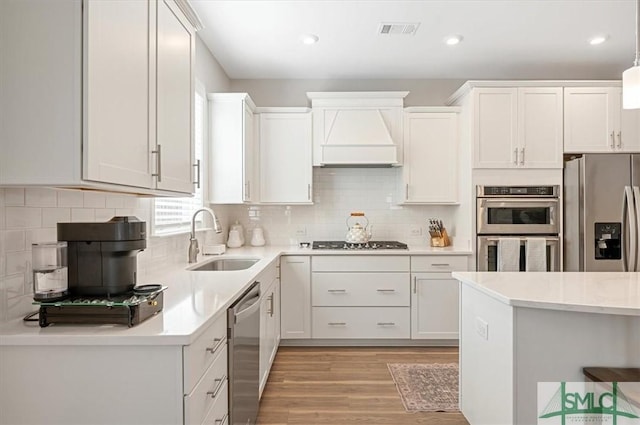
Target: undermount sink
226 264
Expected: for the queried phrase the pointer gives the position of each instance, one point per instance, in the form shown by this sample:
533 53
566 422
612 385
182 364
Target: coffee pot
357 233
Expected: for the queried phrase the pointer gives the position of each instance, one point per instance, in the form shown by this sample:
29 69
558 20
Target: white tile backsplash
30 216
14 197
70 198
40 197
337 193
23 217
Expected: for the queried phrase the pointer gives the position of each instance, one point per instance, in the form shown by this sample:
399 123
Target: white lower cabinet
269 326
295 297
205 375
434 296
349 301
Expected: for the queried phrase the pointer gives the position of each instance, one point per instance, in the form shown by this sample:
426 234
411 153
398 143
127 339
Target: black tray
117 313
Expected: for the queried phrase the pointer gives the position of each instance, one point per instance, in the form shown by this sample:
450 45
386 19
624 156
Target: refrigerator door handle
629 222
636 225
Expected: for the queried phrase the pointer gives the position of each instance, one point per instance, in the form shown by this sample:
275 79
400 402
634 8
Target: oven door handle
522 238
533 202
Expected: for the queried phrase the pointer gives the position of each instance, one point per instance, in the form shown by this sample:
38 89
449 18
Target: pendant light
631 77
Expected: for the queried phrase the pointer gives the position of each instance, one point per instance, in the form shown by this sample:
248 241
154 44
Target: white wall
29 215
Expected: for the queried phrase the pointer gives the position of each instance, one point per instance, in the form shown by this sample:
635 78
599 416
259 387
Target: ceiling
503 39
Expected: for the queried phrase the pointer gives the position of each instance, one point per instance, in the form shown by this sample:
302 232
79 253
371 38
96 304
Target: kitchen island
518 329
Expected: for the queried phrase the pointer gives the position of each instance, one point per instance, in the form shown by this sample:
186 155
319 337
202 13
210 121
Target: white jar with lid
234 239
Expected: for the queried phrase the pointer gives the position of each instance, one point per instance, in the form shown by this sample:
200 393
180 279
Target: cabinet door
116 90
495 127
265 341
175 98
590 119
430 157
231 148
628 136
285 157
248 154
540 127
434 306
295 297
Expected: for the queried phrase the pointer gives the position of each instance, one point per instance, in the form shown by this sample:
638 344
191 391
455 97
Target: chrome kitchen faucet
193 242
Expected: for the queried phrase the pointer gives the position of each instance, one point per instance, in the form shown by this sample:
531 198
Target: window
173 215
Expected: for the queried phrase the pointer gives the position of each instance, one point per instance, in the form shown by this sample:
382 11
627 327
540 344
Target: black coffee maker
102 257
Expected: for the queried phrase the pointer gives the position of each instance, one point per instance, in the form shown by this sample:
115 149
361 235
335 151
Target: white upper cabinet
285 155
430 171
115 111
175 99
518 127
596 122
357 128
233 175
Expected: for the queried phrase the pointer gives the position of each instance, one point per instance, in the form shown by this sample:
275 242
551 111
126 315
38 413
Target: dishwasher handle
248 307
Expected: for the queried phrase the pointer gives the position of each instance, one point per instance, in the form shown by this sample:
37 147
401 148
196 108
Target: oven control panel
519 191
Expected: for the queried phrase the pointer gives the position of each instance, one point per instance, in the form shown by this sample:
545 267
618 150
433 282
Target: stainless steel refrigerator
601 212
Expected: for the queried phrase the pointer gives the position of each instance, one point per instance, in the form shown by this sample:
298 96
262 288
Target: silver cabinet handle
515 154
406 192
339 291
158 172
309 191
415 284
386 324
440 264
522 156
222 421
216 390
295 262
197 167
270 305
337 324
613 140
386 290
217 343
619 139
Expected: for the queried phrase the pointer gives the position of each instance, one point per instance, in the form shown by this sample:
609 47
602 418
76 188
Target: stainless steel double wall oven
517 212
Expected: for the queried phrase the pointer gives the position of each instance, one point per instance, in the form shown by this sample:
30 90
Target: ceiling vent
404 28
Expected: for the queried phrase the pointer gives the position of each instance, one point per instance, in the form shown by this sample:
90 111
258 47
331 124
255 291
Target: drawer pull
337 291
218 342
386 290
440 264
386 324
337 324
222 421
216 390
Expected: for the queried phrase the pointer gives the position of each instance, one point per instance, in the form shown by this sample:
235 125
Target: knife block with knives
438 233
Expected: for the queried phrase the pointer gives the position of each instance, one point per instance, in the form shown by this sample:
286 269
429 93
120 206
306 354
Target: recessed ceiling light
452 40
599 39
309 38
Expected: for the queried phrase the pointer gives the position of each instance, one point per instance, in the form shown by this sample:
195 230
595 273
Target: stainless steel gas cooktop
359 246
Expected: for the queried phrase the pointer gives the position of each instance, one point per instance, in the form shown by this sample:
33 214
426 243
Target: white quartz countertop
193 300
591 292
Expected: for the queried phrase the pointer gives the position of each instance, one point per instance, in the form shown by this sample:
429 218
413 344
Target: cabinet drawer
219 413
360 289
439 263
199 355
361 322
360 263
207 392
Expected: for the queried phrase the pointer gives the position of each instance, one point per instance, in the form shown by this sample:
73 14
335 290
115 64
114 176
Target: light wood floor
345 386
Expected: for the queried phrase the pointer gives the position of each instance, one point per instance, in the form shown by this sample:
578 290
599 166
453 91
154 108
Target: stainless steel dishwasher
244 357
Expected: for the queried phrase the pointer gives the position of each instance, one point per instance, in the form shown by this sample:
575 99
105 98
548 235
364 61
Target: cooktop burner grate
371 245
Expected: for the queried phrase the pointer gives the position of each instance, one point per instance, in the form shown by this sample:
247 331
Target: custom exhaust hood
357 128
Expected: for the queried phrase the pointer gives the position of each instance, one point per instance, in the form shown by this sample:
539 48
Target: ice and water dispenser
608 242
